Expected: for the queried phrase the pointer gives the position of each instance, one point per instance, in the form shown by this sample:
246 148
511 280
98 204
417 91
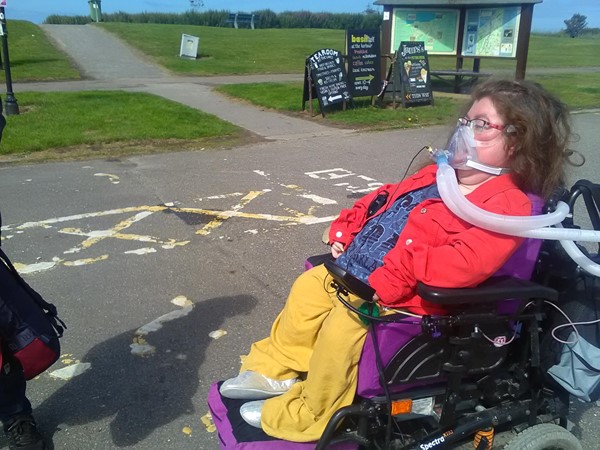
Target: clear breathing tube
528 226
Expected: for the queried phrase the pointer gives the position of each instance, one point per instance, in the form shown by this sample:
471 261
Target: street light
10 103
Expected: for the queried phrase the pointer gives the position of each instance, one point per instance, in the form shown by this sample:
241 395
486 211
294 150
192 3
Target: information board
364 62
325 76
491 32
411 72
437 29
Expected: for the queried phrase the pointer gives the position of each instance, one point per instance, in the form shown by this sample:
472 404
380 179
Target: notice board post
325 78
463 29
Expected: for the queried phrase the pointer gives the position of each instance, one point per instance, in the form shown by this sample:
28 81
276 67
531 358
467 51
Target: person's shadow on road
142 393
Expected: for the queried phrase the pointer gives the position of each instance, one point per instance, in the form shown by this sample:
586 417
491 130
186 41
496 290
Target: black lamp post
10 102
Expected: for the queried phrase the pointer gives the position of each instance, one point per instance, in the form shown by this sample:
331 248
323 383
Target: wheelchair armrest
316 260
491 290
349 281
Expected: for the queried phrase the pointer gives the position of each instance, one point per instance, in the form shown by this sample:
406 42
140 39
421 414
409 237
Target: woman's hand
337 248
376 297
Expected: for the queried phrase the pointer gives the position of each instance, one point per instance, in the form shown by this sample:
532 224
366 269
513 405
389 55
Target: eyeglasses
479 125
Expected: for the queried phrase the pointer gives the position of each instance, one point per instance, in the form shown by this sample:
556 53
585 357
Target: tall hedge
213 18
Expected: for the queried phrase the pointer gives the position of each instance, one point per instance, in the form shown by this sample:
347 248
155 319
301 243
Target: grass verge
108 123
579 91
287 98
33 57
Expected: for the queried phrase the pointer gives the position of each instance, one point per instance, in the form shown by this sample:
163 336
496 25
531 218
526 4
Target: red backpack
29 326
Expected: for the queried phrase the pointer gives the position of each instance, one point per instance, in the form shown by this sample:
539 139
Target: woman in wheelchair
393 238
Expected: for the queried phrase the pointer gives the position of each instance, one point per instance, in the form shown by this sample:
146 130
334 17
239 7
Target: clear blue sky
547 16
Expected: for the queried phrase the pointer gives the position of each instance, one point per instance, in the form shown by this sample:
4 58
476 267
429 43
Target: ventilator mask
461 151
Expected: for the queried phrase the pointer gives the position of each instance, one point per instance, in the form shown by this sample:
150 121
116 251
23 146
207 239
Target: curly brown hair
539 135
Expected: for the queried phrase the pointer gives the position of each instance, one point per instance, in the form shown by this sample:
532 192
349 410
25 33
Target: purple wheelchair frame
519 265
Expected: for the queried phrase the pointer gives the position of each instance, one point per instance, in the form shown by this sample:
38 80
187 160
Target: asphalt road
167 267
117 245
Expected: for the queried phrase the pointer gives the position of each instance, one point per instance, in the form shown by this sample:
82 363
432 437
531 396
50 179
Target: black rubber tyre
545 436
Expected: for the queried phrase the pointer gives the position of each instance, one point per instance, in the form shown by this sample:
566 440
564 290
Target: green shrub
214 18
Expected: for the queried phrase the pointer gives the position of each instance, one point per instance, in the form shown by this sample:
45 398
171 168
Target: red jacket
435 246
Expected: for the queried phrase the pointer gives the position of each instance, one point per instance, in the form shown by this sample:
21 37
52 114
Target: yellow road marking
294 217
118 227
85 261
218 221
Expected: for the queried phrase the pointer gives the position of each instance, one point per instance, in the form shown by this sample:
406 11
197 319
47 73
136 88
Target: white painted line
141 251
69 372
114 179
319 200
157 324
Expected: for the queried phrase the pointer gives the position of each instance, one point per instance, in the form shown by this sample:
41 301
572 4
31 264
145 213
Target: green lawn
227 50
579 91
109 123
33 57
545 51
88 123
287 97
231 51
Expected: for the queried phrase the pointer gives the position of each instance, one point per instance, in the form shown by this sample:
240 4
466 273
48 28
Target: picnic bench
460 77
238 18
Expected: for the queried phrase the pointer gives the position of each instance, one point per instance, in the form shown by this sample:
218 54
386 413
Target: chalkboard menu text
325 78
411 72
364 62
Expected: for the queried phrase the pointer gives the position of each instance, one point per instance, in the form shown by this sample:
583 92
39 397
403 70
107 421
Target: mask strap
485 168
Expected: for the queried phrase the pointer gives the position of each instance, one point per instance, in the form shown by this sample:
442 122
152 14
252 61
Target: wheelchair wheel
545 436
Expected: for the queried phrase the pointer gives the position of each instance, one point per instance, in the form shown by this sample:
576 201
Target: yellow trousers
316 335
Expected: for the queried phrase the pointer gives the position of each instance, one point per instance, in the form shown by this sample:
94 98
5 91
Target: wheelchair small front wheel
545 436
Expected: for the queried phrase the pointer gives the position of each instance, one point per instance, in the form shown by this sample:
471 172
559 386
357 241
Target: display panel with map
438 29
491 32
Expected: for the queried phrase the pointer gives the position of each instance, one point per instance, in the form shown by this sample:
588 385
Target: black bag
29 326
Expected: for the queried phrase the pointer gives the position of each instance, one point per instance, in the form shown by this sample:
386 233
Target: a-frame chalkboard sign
325 79
364 62
411 73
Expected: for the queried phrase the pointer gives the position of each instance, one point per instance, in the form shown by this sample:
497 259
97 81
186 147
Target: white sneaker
251 412
250 385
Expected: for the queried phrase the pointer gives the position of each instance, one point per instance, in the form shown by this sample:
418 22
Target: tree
575 25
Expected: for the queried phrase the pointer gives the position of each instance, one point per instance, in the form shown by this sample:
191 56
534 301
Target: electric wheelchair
474 378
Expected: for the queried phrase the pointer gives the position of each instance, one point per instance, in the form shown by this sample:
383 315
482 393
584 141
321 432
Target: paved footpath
108 63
